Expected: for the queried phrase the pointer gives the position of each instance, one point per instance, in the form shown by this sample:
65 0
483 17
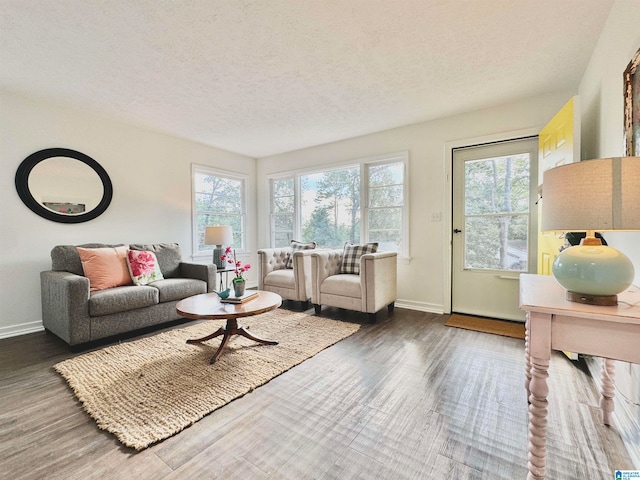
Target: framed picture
632 107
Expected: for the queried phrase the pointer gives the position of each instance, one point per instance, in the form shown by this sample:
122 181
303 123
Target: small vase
238 288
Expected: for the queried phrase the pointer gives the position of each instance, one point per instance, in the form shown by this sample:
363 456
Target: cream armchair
290 283
368 292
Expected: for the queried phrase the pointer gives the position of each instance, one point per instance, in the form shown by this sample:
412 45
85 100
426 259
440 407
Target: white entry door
494 226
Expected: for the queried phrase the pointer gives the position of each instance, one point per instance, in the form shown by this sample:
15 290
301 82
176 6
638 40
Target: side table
226 271
555 323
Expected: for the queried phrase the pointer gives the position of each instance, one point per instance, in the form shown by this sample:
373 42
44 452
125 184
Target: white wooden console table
554 323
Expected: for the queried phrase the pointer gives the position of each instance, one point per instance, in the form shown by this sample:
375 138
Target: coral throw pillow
105 267
143 267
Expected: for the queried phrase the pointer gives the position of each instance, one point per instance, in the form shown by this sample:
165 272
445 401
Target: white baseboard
420 306
21 329
623 415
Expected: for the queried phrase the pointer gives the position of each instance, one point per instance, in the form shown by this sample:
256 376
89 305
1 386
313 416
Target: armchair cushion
297 247
346 285
281 278
351 256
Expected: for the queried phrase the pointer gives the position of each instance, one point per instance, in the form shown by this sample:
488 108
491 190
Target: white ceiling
270 76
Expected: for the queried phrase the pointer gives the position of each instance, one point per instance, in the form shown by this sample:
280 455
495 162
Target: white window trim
196 168
363 164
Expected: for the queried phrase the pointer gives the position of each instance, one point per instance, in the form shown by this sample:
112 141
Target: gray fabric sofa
77 315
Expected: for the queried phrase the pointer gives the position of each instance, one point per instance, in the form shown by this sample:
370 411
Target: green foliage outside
497 213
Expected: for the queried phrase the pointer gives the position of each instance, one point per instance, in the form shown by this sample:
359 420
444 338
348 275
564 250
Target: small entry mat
486 325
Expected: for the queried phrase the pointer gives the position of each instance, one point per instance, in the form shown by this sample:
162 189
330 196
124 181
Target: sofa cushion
351 256
172 289
169 257
296 247
105 267
280 278
121 299
343 284
65 258
143 267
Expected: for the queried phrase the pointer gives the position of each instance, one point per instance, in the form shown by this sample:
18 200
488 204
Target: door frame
447 201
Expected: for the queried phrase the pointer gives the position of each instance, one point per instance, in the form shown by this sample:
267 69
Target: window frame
364 165
225 174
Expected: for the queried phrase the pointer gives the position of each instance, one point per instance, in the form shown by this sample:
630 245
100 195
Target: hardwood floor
406 398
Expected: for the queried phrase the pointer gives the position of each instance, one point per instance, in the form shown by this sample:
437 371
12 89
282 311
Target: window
218 199
364 201
283 211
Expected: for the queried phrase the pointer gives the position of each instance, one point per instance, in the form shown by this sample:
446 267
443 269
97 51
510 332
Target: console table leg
527 359
538 419
606 401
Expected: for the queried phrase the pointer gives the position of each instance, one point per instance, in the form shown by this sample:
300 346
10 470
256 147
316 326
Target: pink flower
142 263
239 269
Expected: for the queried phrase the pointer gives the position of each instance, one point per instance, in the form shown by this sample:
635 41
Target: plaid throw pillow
351 256
295 247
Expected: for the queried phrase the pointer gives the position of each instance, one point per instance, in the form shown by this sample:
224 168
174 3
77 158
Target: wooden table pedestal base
232 328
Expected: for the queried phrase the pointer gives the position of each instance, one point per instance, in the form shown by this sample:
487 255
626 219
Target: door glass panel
496 213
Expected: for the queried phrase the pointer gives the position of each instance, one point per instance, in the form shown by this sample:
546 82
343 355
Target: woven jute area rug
146 390
486 325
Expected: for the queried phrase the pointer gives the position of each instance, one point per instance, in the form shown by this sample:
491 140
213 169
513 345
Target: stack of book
241 299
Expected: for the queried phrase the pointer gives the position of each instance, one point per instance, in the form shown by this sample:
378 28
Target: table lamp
603 195
218 236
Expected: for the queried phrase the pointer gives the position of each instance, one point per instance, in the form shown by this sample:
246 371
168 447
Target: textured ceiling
270 76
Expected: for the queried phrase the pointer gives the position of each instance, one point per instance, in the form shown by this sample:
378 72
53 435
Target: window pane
385 218
388 240
283 222
387 174
330 207
497 185
283 188
283 205
219 200
385 196
282 239
496 242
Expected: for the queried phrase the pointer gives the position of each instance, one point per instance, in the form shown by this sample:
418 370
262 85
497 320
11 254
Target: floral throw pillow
296 247
351 256
143 267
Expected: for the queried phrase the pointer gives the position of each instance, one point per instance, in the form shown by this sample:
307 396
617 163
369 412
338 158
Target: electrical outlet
436 216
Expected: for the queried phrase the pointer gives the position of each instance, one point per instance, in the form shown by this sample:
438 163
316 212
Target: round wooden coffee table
207 306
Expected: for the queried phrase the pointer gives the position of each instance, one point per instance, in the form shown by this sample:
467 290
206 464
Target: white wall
421 283
151 176
601 93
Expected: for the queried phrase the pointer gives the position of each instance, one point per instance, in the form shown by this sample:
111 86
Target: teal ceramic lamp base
593 274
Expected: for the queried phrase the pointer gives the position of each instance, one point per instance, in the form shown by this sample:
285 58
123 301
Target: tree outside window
219 199
365 202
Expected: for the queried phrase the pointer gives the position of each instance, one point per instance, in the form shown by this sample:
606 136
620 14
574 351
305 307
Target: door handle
457 230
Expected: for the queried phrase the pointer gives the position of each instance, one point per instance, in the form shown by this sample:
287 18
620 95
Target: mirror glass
65 185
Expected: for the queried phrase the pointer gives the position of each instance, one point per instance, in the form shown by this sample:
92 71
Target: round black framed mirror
63 185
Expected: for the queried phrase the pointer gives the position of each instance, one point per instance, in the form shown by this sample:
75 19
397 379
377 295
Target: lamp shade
601 194
218 235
